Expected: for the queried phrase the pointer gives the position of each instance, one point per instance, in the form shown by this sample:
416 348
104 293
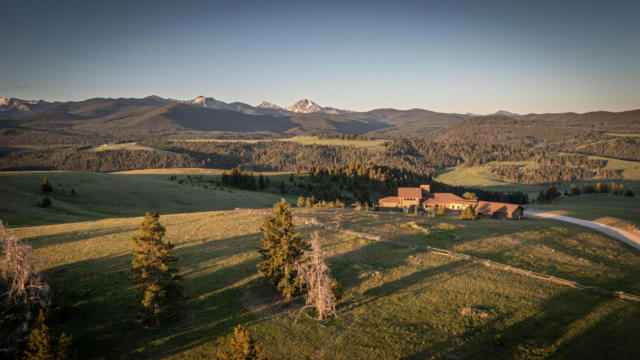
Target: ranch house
409 198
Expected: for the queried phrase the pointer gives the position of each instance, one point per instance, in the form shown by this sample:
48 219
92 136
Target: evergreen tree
542 196
261 183
241 347
575 190
629 191
45 202
283 187
44 344
46 187
281 249
468 213
159 293
291 177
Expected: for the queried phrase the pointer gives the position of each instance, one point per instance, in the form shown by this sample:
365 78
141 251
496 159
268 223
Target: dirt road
626 237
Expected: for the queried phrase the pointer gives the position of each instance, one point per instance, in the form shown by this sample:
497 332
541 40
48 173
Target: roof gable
410 192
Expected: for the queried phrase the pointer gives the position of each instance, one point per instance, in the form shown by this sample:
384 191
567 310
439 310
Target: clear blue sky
454 56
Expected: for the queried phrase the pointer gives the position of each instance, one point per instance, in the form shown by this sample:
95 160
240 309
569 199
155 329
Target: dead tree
316 276
24 293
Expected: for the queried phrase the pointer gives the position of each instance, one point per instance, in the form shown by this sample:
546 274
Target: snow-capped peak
268 105
199 100
305 106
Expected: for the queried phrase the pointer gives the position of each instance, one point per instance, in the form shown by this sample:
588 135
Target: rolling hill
155 117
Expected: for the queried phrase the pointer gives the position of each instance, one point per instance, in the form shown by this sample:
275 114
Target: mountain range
32 121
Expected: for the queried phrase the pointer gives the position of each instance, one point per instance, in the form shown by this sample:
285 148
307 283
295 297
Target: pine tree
468 213
261 183
283 187
629 191
291 177
300 202
44 344
46 187
159 293
241 347
281 249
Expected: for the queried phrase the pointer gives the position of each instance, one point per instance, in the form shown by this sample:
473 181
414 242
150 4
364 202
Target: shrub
45 344
468 214
44 202
629 191
46 187
470 196
241 347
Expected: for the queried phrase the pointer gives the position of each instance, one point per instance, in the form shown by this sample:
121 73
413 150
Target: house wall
389 205
407 202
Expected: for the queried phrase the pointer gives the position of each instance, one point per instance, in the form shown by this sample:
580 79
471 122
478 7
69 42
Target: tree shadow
46 240
570 324
94 301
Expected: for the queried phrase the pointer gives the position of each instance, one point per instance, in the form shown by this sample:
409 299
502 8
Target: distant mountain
504 112
34 122
268 105
535 129
12 107
307 106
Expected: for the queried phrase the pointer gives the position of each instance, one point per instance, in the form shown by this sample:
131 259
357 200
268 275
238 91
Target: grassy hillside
620 211
399 303
118 195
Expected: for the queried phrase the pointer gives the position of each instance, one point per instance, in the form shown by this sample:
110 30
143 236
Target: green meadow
398 302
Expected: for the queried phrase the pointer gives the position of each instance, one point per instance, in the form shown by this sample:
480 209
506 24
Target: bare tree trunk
315 274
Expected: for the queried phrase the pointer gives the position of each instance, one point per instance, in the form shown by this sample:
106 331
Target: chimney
426 188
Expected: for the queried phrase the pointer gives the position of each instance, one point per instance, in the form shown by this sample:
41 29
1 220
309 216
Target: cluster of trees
590 188
341 136
243 179
548 194
293 265
440 154
311 201
549 173
626 148
75 159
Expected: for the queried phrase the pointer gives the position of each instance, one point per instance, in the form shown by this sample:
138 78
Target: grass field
101 195
122 146
399 303
374 145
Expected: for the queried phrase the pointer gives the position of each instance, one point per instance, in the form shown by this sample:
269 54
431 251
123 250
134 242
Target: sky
450 56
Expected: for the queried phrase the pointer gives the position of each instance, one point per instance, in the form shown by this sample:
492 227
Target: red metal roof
389 199
410 192
446 198
489 207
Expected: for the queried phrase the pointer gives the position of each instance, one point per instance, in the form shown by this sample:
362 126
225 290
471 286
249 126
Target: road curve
626 237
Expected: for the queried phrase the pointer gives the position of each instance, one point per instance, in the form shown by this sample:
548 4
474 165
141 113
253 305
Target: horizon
459 57
284 107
